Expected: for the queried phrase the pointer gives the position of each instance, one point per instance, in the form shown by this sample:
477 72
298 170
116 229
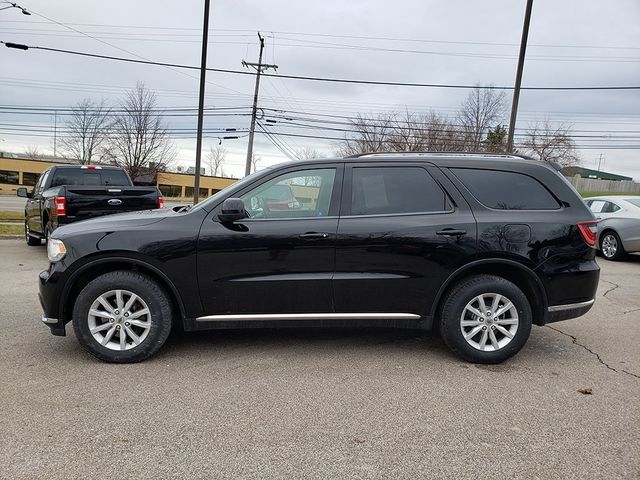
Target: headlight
55 250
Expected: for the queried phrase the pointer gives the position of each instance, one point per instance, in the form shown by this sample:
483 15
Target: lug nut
117 327
111 320
484 328
481 320
493 327
126 324
126 314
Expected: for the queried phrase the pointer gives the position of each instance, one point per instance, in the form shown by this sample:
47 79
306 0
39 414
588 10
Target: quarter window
395 190
506 190
305 193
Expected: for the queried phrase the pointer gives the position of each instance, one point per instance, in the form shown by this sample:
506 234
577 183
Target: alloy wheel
119 320
489 322
609 245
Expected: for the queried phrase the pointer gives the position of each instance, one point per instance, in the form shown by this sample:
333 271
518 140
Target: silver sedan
619 226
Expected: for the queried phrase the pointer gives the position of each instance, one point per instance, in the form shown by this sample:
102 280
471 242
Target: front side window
395 190
506 190
300 194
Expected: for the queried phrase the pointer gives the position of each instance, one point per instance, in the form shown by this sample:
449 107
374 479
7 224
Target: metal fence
610 186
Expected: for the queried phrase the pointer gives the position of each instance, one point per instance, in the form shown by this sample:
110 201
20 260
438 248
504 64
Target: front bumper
49 296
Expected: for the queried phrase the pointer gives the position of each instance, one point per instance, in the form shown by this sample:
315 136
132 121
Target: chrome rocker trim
571 306
310 316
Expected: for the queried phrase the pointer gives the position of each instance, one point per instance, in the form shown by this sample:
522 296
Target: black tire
48 230
454 306
610 239
144 287
32 240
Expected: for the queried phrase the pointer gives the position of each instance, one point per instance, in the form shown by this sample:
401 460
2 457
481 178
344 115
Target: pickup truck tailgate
88 202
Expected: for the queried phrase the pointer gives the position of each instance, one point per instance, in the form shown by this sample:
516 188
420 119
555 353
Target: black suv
479 246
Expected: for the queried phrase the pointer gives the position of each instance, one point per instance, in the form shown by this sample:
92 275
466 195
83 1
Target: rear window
83 176
506 190
395 190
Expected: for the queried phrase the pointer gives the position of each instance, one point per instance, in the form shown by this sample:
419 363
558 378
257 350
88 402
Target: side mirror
232 210
22 192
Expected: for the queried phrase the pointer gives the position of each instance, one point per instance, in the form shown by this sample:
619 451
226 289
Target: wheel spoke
130 302
496 303
108 336
483 340
506 307
106 305
134 337
139 313
100 328
140 323
494 340
475 311
507 321
470 323
473 332
504 331
483 306
119 300
123 339
100 313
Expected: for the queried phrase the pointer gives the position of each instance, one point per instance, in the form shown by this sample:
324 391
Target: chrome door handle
313 235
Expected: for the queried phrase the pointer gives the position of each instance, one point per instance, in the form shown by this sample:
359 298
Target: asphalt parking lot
320 404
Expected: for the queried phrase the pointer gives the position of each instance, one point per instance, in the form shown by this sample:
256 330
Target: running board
309 316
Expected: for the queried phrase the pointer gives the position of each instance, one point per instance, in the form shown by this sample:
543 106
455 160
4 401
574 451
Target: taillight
589 230
61 205
160 202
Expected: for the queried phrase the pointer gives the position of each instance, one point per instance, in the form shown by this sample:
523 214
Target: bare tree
32 152
308 153
549 143
370 135
255 160
87 131
140 142
215 160
482 108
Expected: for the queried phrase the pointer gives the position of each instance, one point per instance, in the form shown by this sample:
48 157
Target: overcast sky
572 43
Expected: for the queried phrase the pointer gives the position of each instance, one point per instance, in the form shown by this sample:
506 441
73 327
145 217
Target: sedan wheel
611 247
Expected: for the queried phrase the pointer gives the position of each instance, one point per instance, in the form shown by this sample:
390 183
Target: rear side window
395 190
81 176
506 190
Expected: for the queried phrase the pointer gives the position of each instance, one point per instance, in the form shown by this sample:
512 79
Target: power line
324 79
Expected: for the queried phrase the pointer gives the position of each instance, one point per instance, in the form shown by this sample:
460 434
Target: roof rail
418 154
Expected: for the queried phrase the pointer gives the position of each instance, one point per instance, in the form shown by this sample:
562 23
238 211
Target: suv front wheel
485 319
122 317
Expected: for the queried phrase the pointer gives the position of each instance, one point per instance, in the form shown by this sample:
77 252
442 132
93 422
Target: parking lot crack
595 354
609 290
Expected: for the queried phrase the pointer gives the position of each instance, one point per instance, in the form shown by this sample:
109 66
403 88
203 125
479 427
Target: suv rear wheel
122 317
485 319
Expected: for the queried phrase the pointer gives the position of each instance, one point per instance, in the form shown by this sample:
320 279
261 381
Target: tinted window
305 193
8 177
172 190
610 207
506 190
30 179
83 176
391 190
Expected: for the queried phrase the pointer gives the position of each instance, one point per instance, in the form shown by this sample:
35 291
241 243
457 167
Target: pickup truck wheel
122 317
31 239
48 230
485 319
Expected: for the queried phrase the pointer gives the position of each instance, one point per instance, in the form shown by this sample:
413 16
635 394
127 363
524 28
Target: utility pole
203 73
55 131
516 90
599 162
259 68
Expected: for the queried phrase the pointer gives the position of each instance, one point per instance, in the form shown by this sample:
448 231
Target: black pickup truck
69 193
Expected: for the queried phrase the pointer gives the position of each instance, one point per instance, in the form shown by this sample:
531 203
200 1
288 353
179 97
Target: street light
15 5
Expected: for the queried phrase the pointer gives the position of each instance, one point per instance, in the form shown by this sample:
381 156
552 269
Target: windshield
634 201
208 203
